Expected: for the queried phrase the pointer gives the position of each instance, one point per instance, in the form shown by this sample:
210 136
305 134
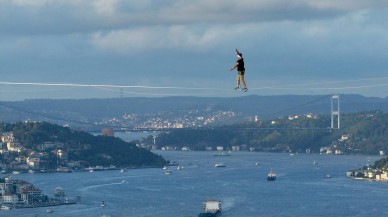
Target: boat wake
228 203
88 188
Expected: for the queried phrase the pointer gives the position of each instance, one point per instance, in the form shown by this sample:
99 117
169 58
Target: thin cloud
71 16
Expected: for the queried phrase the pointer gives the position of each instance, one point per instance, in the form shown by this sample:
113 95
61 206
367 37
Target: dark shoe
245 89
236 88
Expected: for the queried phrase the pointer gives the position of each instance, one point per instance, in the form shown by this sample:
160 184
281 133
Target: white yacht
220 165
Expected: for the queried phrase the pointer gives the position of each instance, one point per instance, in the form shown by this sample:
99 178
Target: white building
235 148
208 148
10 198
220 148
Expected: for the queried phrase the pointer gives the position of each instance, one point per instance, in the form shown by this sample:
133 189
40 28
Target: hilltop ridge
193 111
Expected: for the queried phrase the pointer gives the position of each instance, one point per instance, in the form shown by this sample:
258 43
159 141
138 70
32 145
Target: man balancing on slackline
241 71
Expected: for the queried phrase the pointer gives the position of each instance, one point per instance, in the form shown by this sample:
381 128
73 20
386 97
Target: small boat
103 204
167 172
31 171
15 172
3 172
221 154
257 163
91 171
328 176
211 208
165 167
3 207
315 163
271 176
179 167
124 182
123 170
220 165
49 210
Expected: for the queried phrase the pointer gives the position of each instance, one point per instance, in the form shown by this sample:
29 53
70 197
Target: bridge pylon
335 111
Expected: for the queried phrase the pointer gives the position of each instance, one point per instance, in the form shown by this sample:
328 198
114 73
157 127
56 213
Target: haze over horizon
112 48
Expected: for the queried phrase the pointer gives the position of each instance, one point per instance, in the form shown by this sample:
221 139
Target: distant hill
71 111
360 133
78 146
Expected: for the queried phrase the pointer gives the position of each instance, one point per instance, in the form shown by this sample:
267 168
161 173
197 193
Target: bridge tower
335 111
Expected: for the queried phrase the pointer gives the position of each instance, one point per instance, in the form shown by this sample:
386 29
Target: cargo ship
211 208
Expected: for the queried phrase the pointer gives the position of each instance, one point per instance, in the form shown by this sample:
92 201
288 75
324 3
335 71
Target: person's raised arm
238 53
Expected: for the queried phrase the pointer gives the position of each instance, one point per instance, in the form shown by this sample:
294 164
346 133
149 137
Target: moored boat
3 207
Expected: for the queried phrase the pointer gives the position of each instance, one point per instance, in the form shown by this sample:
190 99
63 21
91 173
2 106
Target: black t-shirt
240 66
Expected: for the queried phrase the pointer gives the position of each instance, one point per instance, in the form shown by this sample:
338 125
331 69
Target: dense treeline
364 133
82 146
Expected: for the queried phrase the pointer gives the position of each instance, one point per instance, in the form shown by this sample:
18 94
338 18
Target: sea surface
301 188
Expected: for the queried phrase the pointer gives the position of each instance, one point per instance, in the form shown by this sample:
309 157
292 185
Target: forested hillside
360 133
77 146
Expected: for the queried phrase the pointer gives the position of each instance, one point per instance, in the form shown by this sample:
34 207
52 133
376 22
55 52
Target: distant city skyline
116 48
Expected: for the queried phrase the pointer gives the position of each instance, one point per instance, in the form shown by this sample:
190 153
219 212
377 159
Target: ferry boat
211 208
271 176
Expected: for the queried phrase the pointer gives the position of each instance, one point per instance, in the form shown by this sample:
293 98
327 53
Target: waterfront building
30 195
10 198
33 163
220 148
235 148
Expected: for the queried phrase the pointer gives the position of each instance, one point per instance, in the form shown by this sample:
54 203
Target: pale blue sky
289 46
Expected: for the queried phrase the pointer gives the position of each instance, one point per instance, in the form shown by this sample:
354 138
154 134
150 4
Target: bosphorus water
301 188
